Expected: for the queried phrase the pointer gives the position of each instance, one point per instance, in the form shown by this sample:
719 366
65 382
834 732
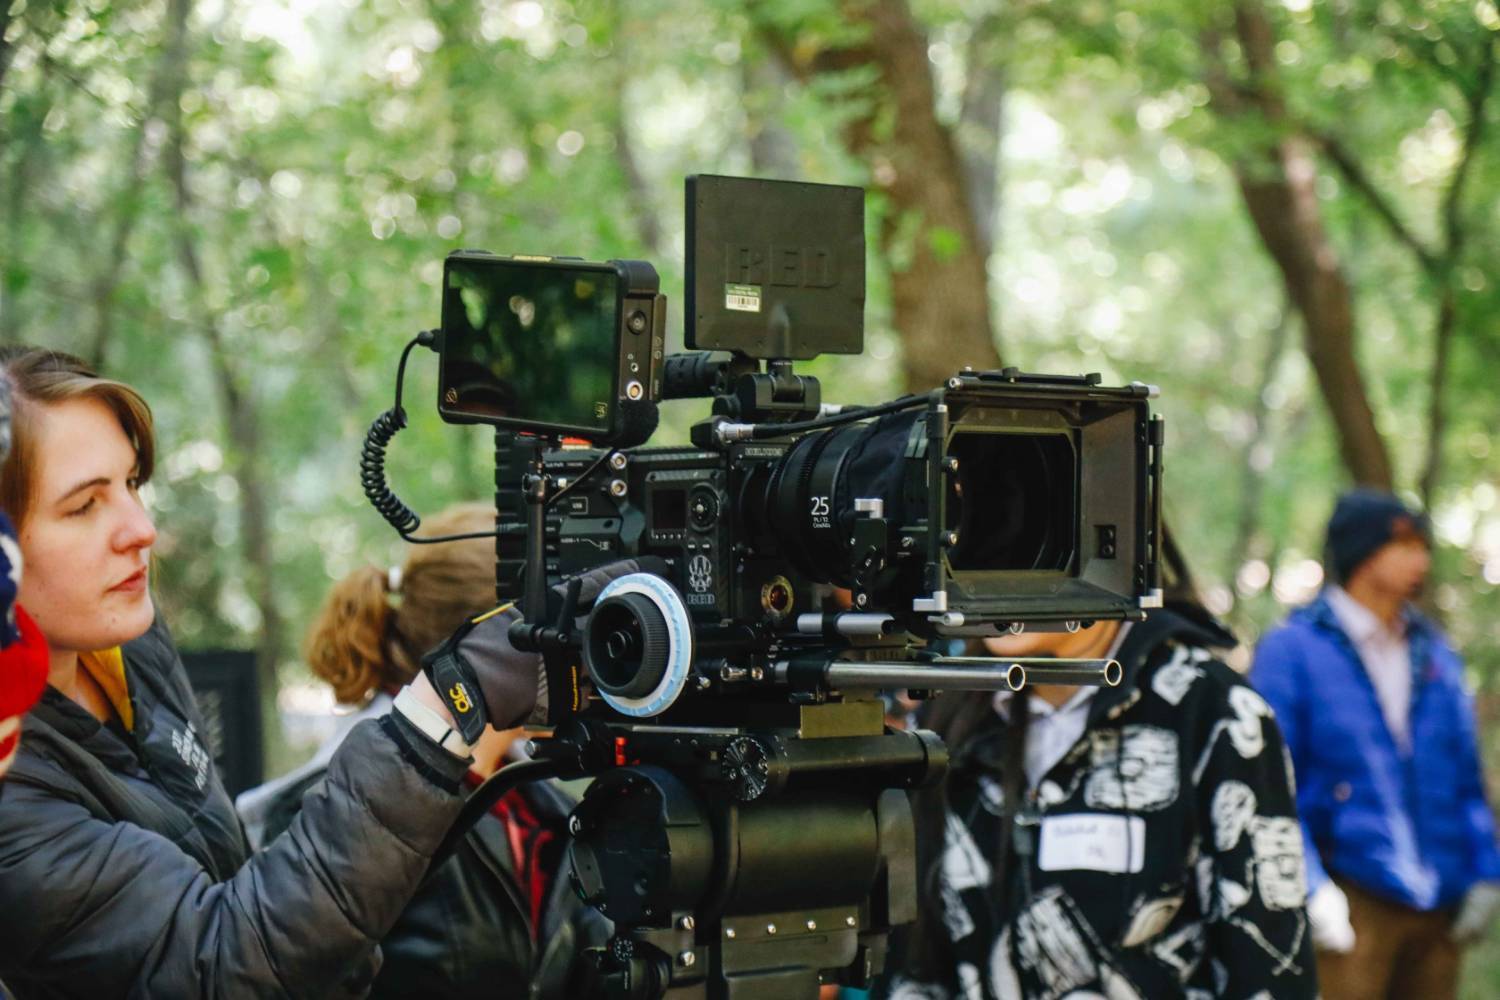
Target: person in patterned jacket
1130 843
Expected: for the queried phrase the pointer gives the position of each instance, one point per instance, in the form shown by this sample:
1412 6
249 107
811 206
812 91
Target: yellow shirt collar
107 668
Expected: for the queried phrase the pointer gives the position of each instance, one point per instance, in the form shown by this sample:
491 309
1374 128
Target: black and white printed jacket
1161 857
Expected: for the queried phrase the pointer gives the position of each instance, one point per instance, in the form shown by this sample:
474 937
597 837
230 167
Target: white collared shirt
1386 655
1053 730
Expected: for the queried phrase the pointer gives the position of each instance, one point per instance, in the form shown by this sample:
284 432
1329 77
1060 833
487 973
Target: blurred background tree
1280 211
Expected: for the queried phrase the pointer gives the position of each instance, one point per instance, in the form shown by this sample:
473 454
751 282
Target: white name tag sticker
1095 842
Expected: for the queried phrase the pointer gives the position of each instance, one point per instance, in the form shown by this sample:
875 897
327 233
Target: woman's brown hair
41 378
370 636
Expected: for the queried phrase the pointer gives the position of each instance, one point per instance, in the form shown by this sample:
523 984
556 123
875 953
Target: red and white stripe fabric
23 676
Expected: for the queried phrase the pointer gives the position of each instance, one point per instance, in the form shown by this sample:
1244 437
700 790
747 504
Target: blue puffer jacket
1414 829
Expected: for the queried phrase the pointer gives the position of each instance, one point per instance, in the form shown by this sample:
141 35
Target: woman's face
87 537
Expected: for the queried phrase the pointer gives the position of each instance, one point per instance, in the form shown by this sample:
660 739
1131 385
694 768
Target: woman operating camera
123 868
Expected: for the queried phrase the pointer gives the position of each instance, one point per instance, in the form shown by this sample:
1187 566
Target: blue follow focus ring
679 633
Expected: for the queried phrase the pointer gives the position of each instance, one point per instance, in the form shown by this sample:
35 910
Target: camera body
1005 499
677 503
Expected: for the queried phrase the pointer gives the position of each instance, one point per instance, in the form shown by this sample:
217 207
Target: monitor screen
529 342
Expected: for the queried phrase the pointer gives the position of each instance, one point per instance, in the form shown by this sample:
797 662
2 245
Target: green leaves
336 152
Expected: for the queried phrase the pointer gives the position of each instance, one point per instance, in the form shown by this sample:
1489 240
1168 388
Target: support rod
958 673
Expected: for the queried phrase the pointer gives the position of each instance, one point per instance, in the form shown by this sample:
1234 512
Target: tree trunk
939 298
12 271
7 49
245 457
1437 413
980 130
1455 237
648 229
107 280
1258 453
1277 184
1285 212
773 149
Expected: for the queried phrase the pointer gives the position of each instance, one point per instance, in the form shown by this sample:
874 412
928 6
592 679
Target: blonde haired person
500 909
376 623
123 867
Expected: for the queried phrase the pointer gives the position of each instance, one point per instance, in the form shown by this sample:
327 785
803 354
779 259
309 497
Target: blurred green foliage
335 150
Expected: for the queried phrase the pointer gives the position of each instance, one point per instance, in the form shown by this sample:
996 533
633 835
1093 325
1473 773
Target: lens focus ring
627 646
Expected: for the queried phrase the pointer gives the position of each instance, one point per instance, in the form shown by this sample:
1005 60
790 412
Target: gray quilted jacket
124 871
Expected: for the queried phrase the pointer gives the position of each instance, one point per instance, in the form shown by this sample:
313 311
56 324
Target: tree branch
65 74
1357 178
1473 135
1425 49
1454 237
1276 180
939 295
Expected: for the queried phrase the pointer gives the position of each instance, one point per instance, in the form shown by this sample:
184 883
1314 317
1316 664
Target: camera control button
636 322
703 508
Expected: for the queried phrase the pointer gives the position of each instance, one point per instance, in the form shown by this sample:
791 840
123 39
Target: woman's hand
485 680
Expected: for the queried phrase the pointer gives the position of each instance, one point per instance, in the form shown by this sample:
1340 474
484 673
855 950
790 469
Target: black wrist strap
458 685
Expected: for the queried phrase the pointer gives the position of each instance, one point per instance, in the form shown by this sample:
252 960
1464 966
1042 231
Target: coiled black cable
372 461
372 473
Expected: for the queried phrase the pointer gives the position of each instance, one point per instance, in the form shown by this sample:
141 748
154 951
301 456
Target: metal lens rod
967 673
1044 670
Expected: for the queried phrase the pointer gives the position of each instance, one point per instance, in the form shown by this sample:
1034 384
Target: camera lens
812 490
1012 501
1012 495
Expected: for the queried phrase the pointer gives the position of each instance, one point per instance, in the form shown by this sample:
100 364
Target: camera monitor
775 269
545 344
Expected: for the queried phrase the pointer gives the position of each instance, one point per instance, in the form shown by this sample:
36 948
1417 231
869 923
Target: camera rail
958 673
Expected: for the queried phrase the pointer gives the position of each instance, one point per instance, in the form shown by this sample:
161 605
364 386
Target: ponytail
347 646
375 625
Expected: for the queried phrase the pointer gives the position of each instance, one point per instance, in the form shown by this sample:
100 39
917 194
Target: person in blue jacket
1402 863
